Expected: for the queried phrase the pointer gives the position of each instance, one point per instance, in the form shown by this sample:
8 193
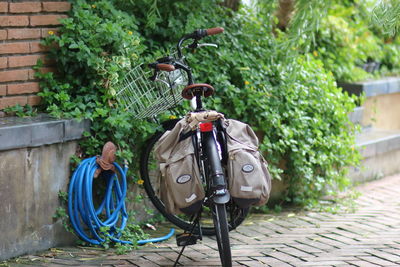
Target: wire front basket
146 98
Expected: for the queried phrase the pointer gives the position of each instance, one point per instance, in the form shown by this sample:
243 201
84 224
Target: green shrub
290 99
345 42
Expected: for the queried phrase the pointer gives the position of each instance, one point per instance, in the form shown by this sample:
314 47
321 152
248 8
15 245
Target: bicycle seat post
199 103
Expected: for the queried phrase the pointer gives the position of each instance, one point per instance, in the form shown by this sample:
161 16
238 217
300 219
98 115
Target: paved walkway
369 236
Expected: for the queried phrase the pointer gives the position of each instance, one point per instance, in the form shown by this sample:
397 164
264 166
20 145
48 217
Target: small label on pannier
183 178
248 168
246 188
191 198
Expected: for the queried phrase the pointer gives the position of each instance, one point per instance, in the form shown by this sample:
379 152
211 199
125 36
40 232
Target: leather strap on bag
195 118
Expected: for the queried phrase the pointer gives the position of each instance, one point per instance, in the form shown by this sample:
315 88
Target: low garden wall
34 168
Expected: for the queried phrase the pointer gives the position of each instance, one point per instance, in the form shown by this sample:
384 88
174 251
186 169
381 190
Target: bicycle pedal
186 239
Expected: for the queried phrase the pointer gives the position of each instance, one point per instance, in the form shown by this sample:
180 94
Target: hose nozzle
107 158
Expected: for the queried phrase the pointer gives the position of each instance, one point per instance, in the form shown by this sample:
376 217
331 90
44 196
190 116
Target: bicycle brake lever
207 44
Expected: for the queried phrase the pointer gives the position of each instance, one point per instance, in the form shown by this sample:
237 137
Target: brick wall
22 25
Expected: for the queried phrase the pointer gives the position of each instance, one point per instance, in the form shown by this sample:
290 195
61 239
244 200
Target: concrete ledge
377 167
375 142
356 115
37 131
380 150
384 86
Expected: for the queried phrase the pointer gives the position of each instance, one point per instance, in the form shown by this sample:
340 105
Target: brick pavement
369 236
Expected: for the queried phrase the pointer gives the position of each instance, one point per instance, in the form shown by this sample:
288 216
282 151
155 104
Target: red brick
45 31
3 89
14 48
47 69
12 101
31 74
14 21
13 75
3 62
24 33
56 6
25 7
3 34
34 100
37 47
23 88
39 20
3 7
23 61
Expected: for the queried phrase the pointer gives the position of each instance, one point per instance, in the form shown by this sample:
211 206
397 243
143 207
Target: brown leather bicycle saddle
191 90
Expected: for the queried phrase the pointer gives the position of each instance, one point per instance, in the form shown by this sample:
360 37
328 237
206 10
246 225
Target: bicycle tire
222 234
237 214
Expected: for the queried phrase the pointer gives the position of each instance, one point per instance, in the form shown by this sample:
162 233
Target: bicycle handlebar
197 35
213 31
162 63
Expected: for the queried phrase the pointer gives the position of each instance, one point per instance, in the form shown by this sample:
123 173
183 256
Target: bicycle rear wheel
150 175
222 234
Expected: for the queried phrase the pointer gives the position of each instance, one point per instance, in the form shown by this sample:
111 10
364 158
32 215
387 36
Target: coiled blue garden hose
85 218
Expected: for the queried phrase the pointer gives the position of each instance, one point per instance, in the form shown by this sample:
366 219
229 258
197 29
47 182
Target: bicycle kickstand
187 239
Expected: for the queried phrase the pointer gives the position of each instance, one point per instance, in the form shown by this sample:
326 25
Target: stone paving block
245 239
322 263
215 262
296 252
252 233
125 264
274 227
390 250
264 230
252 263
306 248
340 238
184 258
386 256
250 252
194 255
285 257
315 242
332 257
329 241
158 258
269 261
376 260
361 263
143 263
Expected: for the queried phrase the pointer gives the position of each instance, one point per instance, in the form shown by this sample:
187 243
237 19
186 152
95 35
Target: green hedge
347 40
290 99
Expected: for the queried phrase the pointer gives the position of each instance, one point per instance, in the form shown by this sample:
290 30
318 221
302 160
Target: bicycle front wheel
222 233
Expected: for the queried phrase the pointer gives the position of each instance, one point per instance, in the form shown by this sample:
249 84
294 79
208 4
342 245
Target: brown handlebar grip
165 67
216 30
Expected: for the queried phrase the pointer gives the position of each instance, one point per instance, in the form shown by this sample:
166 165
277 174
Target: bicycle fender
222 199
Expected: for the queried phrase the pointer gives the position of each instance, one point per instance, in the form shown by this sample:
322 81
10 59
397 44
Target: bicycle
209 143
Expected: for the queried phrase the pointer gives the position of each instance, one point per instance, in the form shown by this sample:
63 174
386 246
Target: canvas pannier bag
181 187
249 181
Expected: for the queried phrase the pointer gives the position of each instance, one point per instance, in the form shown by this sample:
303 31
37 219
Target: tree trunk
284 13
232 4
